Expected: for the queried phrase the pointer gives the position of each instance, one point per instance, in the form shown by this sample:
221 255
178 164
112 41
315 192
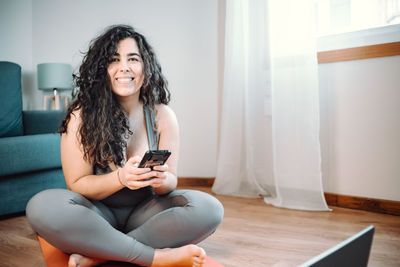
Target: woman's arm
169 139
78 172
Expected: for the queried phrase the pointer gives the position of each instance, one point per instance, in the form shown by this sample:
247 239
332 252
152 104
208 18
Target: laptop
353 251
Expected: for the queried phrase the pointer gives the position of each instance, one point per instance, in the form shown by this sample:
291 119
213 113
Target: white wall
360 127
183 33
16 40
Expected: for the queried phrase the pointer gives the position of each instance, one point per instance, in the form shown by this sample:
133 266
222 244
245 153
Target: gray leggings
75 224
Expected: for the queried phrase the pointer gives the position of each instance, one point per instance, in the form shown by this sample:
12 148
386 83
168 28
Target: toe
72 262
198 261
202 254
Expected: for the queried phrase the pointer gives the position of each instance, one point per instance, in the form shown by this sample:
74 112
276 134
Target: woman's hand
133 177
161 173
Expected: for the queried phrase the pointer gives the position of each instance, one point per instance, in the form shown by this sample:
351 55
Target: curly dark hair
104 125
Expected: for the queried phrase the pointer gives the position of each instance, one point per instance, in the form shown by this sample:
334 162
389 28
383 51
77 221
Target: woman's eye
133 59
114 60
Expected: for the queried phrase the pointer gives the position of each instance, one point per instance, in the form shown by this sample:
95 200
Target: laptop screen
353 251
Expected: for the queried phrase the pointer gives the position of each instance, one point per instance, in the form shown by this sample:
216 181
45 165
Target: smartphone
154 158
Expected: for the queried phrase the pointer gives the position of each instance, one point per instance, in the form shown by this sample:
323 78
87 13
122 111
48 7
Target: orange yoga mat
56 258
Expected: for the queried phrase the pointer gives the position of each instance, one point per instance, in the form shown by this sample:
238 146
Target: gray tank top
126 197
152 133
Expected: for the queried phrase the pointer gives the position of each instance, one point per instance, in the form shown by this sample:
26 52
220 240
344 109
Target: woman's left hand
160 175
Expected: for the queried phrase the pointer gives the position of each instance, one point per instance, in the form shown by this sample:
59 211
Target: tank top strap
152 132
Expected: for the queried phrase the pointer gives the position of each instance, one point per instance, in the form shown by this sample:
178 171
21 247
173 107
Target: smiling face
125 70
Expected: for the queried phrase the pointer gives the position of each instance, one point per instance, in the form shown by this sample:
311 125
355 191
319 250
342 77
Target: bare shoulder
74 122
164 111
165 116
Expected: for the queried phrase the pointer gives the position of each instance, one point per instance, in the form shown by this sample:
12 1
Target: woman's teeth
124 79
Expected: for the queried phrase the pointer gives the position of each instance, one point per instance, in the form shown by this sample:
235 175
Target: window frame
367 43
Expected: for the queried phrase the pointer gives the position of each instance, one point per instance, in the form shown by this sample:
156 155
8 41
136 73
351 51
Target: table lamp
54 76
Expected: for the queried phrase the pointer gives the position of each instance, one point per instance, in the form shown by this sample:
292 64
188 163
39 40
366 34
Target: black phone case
154 158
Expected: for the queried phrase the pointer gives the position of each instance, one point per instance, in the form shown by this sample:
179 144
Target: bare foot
76 260
189 255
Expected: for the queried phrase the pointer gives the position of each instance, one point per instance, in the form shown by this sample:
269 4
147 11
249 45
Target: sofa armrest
42 121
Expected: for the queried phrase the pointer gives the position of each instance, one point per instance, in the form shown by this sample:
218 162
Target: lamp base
55 101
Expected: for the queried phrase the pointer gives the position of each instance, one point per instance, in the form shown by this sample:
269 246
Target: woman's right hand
133 177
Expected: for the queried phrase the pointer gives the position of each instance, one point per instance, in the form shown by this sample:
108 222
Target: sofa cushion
10 100
42 121
21 154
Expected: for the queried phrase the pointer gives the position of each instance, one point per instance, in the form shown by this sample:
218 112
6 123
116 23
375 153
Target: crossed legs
74 224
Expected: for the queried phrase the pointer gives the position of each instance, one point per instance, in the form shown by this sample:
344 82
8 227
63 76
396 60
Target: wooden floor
251 234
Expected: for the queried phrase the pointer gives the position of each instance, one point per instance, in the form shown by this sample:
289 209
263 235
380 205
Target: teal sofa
29 145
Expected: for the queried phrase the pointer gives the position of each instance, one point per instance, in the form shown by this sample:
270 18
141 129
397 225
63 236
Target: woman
113 209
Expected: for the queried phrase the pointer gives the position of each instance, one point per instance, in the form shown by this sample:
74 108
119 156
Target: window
339 16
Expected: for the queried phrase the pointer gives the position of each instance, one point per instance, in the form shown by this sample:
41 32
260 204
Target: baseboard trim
363 203
196 181
351 202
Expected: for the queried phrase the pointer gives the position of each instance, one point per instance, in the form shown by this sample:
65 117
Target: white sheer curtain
269 139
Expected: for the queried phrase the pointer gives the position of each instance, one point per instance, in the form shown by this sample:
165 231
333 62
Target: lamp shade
54 76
